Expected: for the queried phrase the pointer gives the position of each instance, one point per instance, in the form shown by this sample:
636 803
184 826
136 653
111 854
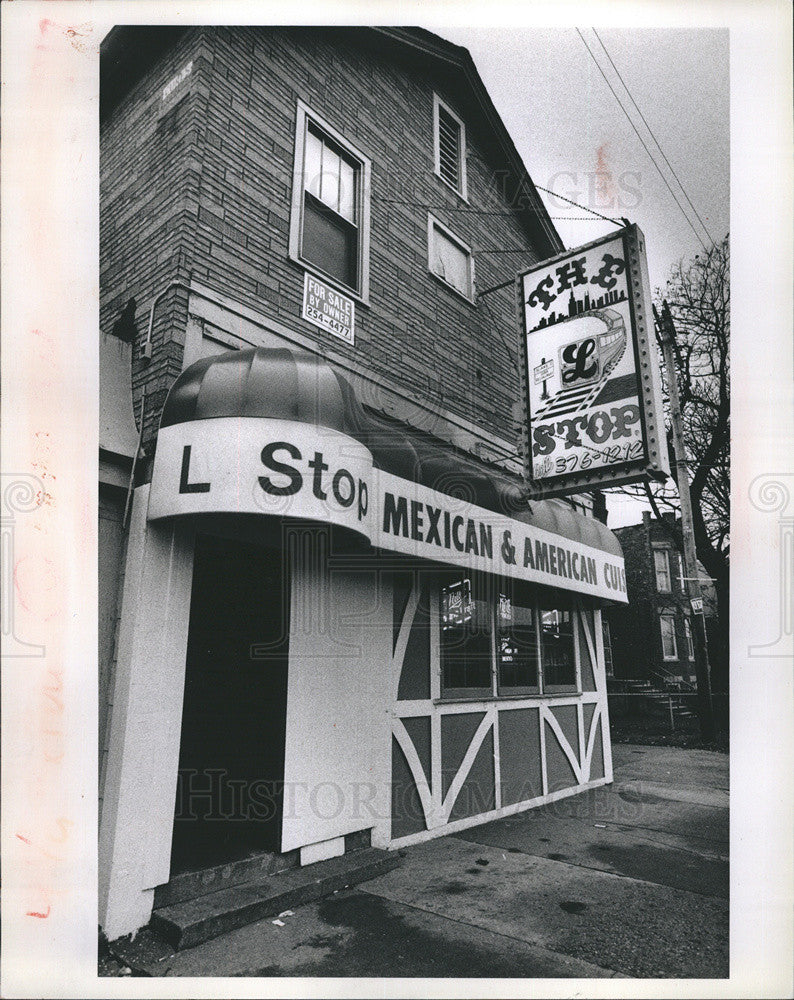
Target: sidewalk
626 880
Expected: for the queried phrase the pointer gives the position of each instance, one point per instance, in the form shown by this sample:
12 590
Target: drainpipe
146 352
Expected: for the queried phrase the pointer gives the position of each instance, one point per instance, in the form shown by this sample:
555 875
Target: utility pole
705 710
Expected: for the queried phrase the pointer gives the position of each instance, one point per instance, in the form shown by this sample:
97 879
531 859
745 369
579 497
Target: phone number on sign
582 461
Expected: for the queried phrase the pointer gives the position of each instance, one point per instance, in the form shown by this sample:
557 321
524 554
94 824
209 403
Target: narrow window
466 636
330 211
661 562
669 648
557 650
450 259
449 146
517 649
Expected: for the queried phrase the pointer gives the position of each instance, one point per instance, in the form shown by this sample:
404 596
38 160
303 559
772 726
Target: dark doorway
231 761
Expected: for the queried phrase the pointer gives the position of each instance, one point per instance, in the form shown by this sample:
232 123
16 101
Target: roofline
429 44
113 53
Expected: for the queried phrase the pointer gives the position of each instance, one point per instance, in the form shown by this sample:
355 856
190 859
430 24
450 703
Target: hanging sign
590 378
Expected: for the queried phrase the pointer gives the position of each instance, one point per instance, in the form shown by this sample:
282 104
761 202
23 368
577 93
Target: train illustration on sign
584 364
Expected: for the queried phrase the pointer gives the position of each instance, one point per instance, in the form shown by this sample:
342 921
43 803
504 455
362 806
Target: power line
592 211
650 131
644 145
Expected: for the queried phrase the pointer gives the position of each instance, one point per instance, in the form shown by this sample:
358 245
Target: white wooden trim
466 764
588 756
469 821
588 637
406 744
582 742
601 683
565 746
497 759
412 709
544 774
398 656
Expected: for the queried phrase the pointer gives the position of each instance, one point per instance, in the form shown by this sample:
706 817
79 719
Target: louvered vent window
450 148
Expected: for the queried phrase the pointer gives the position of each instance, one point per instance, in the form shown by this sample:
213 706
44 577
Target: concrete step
188 923
190 885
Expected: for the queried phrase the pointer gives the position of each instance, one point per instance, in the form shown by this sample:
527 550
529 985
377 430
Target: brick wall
635 629
201 187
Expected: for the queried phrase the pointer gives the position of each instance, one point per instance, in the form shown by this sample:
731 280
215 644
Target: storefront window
466 636
557 650
516 646
503 635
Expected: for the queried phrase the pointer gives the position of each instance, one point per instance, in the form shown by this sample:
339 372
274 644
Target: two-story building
651 637
328 613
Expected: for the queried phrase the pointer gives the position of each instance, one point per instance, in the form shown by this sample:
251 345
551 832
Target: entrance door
231 763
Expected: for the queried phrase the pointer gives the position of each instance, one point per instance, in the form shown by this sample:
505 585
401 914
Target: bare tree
698 295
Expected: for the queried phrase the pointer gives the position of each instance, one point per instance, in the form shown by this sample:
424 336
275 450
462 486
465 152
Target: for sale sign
591 374
329 309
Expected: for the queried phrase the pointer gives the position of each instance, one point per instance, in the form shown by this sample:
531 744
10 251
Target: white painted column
136 824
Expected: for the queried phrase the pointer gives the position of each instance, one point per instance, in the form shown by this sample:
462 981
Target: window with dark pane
466 636
330 238
516 645
449 148
557 649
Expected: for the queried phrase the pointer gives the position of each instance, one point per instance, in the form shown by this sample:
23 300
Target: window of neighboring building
329 227
517 649
669 648
466 637
661 562
449 146
450 259
558 655
690 644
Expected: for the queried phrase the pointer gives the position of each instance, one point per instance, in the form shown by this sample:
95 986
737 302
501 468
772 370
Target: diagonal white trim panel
588 637
398 656
588 758
565 746
406 744
467 762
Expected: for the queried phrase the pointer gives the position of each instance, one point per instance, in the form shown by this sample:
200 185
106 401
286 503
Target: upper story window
329 225
661 563
450 259
449 146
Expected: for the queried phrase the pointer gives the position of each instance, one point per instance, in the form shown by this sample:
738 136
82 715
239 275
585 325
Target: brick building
314 571
651 637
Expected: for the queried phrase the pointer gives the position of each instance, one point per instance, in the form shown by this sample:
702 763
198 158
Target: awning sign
592 383
284 468
329 309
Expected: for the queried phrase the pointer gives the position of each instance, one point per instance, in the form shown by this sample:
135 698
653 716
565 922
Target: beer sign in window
591 375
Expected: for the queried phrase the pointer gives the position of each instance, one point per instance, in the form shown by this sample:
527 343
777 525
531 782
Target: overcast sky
568 127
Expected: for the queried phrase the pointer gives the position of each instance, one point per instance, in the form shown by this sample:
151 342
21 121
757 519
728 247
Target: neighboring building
328 616
651 637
